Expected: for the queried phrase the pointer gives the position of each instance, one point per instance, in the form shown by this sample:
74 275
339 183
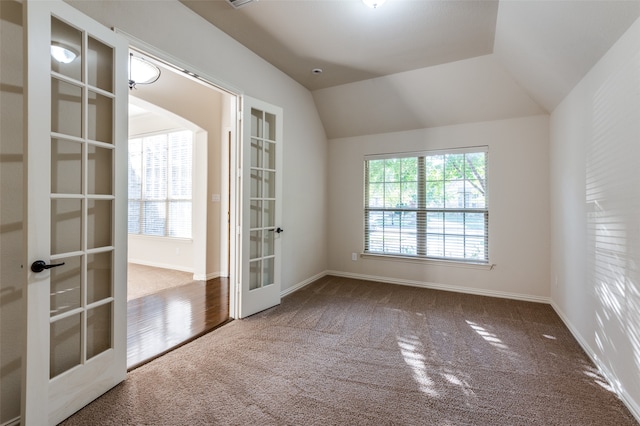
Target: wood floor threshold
189 340
163 321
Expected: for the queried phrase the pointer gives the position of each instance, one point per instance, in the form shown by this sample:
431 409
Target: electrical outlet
354 256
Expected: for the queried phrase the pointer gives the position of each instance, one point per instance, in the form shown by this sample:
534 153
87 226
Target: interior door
260 226
76 213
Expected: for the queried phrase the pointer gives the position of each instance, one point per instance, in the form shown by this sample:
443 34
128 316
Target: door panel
77 133
261 212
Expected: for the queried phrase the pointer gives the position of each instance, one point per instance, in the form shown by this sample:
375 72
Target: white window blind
428 204
160 184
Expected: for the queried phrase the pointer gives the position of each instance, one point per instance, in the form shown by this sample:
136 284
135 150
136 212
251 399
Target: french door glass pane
255 244
66 108
66 167
100 170
100 65
256 153
100 118
256 184
269 184
255 274
269 213
65 344
256 123
268 272
66 37
99 276
255 214
269 155
66 284
66 225
98 330
99 222
269 243
270 126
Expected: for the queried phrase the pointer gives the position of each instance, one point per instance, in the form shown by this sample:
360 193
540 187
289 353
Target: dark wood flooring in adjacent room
162 321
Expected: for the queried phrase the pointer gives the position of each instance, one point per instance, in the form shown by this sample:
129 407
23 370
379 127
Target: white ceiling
412 64
352 42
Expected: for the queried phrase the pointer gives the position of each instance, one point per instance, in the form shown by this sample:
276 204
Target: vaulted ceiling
412 64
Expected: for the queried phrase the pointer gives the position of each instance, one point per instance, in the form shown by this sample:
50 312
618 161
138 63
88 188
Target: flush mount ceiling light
373 3
141 71
63 53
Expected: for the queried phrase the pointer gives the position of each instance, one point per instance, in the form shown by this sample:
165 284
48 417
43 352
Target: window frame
168 199
422 210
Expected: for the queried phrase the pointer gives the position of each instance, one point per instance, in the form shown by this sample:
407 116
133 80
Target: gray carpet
343 351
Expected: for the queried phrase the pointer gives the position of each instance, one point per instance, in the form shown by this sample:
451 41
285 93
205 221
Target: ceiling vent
236 4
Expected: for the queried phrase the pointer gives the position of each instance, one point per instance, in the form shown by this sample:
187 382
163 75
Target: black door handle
41 265
278 230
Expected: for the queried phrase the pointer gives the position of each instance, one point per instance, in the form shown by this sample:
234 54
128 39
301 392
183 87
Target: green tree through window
431 205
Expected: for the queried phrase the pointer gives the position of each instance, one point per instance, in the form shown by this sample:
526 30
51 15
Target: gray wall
12 227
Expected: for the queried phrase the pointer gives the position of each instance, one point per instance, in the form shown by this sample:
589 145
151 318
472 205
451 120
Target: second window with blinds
160 184
428 205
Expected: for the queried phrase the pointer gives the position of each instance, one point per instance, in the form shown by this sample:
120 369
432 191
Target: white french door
261 207
76 237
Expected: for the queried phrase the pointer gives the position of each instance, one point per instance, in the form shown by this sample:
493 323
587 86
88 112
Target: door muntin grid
262 200
81 200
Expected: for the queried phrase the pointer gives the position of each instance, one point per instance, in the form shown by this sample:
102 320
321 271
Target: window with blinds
428 205
160 184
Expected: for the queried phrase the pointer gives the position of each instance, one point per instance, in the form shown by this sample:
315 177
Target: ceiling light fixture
373 3
63 53
141 71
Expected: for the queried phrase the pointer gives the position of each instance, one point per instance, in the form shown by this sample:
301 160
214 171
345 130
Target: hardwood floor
160 322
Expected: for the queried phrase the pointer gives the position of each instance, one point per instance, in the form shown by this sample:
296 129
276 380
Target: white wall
518 174
190 38
169 253
595 214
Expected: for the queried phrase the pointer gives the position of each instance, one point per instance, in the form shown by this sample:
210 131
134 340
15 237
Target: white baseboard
633 407
444 287
302 284
160 265
207 277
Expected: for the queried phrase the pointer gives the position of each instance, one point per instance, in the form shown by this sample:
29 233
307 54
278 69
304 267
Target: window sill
436 262
161 238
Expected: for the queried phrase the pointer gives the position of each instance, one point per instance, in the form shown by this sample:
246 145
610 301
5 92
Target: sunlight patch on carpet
412 350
